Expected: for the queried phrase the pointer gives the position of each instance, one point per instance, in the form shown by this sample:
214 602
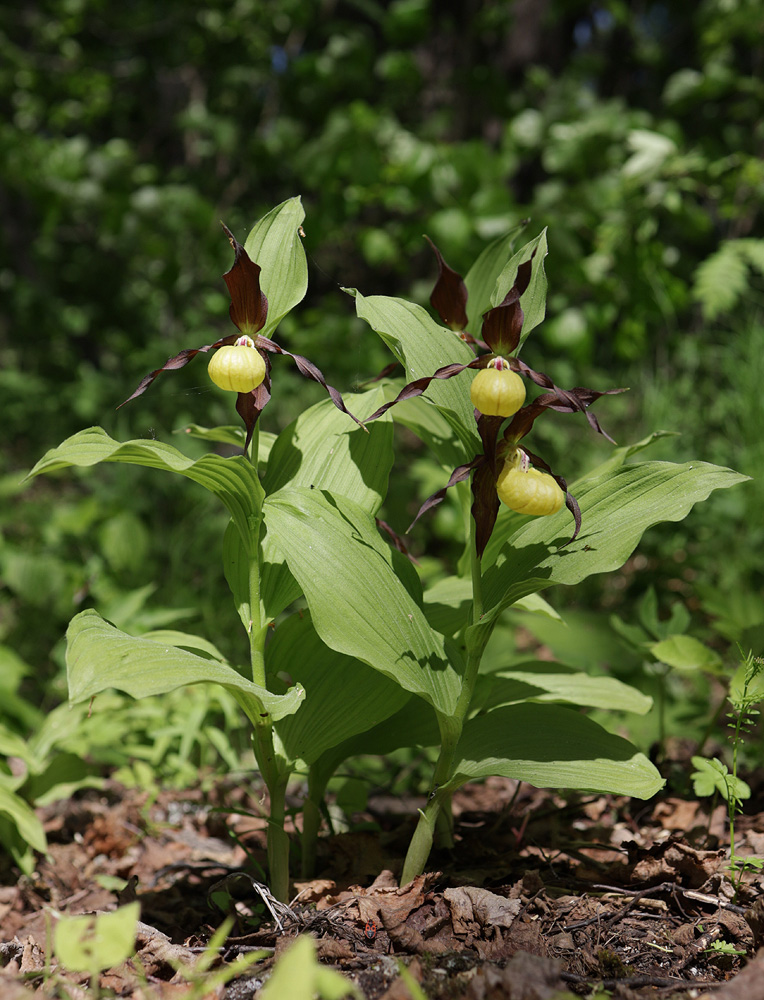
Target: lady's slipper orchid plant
502 471
242 364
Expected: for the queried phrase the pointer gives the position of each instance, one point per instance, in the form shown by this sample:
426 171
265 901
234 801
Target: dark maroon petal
457 476
503 324
473 341
249 306
396 540
178 361
566 400
485 505
523 420
488 429
502 327
418 386
249 405
309 370
572 504
449 297
387 370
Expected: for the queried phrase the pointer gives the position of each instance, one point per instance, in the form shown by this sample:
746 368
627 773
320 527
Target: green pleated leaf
359 605
278 588
683 652
551 747
99 656
429 425
508 522
324 449
422 346
237 436
236 569
482 277
232 480
533 299
275 244
344 697
620 456
23 817
92 942
542 681
414 725
617 509
185 640
448 604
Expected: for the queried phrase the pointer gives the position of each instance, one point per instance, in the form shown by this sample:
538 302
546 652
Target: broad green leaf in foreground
533 299
414 725
422 346
236 436
508 521
482 277
99 656
23 817
298 975
232 480
617 509
92 942
551 747
324 449
344 697
359 605
274 243
448 604
543 681
683 652
429 425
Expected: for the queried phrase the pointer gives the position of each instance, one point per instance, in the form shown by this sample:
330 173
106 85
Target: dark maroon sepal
249 405
503 325
523 420
249 306
180 360
459 474
488 429
309 370
396 540
449 297
418 386
485 505
387 370
572 504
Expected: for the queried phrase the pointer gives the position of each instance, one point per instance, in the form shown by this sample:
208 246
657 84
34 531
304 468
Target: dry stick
701 897
611 984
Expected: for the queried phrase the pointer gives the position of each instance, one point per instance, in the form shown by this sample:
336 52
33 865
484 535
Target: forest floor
542 897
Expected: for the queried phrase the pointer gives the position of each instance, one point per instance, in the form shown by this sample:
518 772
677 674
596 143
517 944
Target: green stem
451 731
257 632
272 768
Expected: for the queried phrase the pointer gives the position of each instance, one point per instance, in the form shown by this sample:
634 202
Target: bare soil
541 897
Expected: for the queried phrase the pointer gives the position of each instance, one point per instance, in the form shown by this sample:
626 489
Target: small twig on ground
700 897
636 981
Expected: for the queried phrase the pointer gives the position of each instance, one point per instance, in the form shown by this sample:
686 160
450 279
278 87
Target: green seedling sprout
712 777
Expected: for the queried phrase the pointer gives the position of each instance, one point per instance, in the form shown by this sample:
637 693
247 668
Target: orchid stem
271 766
451 731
